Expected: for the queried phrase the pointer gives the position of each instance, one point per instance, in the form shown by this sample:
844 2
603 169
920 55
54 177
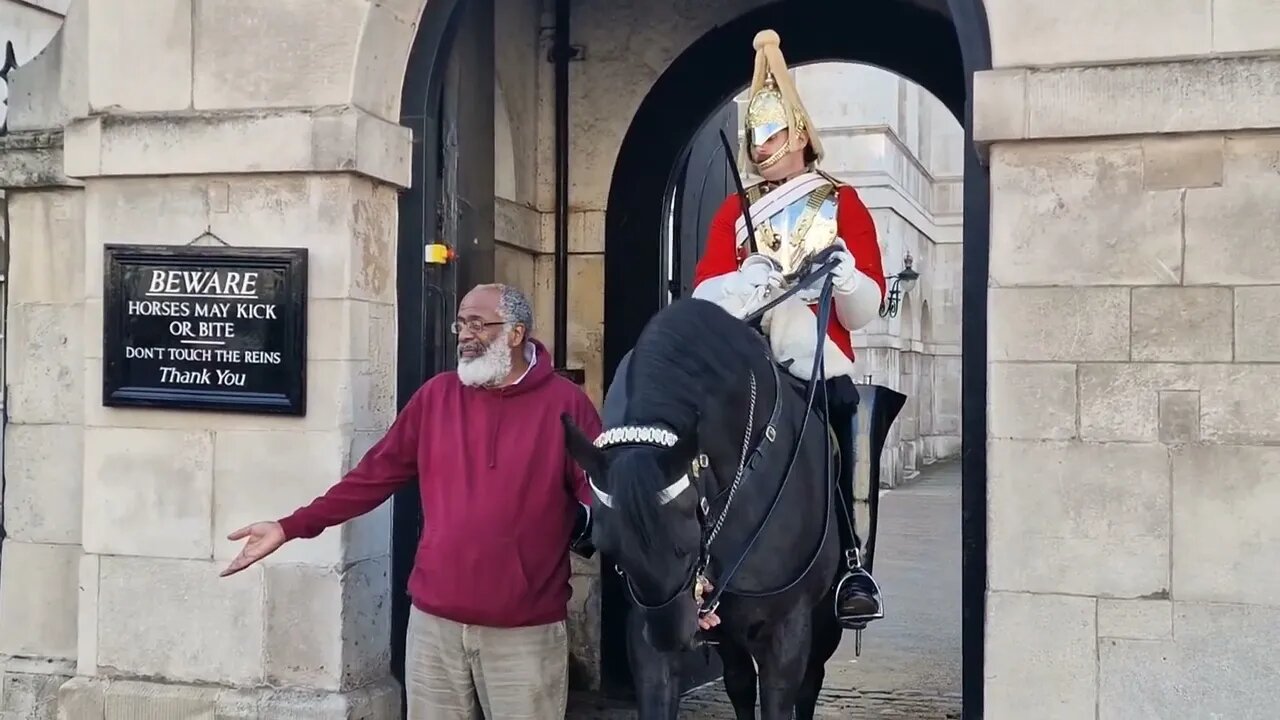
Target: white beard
487 370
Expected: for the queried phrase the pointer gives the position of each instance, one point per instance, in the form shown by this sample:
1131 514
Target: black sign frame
119 390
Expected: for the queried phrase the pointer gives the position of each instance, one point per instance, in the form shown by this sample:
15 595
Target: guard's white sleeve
858 307
712 289
732 292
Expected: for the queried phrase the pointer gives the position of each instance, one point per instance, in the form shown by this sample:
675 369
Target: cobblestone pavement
910 663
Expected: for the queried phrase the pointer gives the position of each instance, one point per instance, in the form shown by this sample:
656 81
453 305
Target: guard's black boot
858 599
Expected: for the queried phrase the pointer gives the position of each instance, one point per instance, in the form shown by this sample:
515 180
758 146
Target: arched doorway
937 46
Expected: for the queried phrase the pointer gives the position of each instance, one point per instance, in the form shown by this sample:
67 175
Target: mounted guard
770 231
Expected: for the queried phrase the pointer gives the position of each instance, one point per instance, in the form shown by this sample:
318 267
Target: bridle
660 438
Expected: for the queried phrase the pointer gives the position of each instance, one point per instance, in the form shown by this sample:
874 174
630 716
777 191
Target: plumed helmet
773 105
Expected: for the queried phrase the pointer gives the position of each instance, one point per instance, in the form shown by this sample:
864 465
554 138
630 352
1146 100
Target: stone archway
939 53
1130 156
265 124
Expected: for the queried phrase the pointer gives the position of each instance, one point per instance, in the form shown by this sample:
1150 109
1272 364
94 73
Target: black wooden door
701 186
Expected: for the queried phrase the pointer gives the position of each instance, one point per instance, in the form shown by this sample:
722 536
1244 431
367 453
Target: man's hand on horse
710 620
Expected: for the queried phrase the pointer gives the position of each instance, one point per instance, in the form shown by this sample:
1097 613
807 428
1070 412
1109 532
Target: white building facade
903 151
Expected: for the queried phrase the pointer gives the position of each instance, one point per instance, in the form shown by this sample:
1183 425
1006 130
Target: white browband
640 435
637 434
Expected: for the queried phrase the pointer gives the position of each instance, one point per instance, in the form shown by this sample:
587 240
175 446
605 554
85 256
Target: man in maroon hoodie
503 503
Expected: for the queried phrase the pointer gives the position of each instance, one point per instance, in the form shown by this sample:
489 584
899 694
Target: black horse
718 467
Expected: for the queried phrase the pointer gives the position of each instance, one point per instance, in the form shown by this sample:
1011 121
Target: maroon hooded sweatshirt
499 495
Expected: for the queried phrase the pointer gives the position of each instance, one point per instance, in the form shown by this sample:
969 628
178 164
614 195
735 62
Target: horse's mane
690 353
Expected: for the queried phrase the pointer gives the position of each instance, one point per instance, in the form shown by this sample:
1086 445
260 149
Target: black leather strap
580 540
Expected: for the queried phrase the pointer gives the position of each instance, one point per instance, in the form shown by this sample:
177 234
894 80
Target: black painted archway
938 52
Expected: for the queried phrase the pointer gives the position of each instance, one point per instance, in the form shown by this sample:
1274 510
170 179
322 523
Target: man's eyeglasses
475 325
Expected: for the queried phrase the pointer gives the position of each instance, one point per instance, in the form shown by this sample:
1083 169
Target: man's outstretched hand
264 538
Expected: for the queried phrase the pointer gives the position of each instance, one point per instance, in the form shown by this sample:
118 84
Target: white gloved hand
749 286
760 270
755 276
844 276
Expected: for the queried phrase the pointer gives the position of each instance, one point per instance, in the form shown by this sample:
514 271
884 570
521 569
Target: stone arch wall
1139 418
504 148
930 380
906 430
926 323
1153 356
1021 114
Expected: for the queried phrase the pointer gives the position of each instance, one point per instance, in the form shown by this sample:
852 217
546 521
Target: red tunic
853 224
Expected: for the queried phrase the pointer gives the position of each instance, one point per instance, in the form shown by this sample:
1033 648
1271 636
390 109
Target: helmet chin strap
773 159
776 157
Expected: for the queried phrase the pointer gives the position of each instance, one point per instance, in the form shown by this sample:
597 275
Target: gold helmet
773 105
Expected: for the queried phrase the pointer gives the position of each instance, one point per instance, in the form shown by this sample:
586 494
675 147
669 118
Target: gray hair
514 308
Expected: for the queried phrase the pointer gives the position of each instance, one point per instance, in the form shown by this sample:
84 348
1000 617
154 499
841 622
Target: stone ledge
29 696
866 340
33 159
86 698
36 666
326 139
883 194
1202 95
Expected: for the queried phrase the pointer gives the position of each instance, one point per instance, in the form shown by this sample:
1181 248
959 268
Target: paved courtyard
910 663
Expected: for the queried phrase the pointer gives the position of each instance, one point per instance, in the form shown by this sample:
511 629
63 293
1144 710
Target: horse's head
646 520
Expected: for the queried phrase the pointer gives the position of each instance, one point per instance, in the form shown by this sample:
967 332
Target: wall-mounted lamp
903 283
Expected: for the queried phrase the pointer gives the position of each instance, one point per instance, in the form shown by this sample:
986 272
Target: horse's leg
739 678
826 638
653 674
783 657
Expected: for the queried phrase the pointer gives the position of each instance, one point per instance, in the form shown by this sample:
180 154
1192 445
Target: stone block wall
41 557
117 517
1133 360
162 489
1132 277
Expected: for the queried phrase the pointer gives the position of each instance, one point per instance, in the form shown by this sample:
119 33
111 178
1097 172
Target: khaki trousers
454 671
